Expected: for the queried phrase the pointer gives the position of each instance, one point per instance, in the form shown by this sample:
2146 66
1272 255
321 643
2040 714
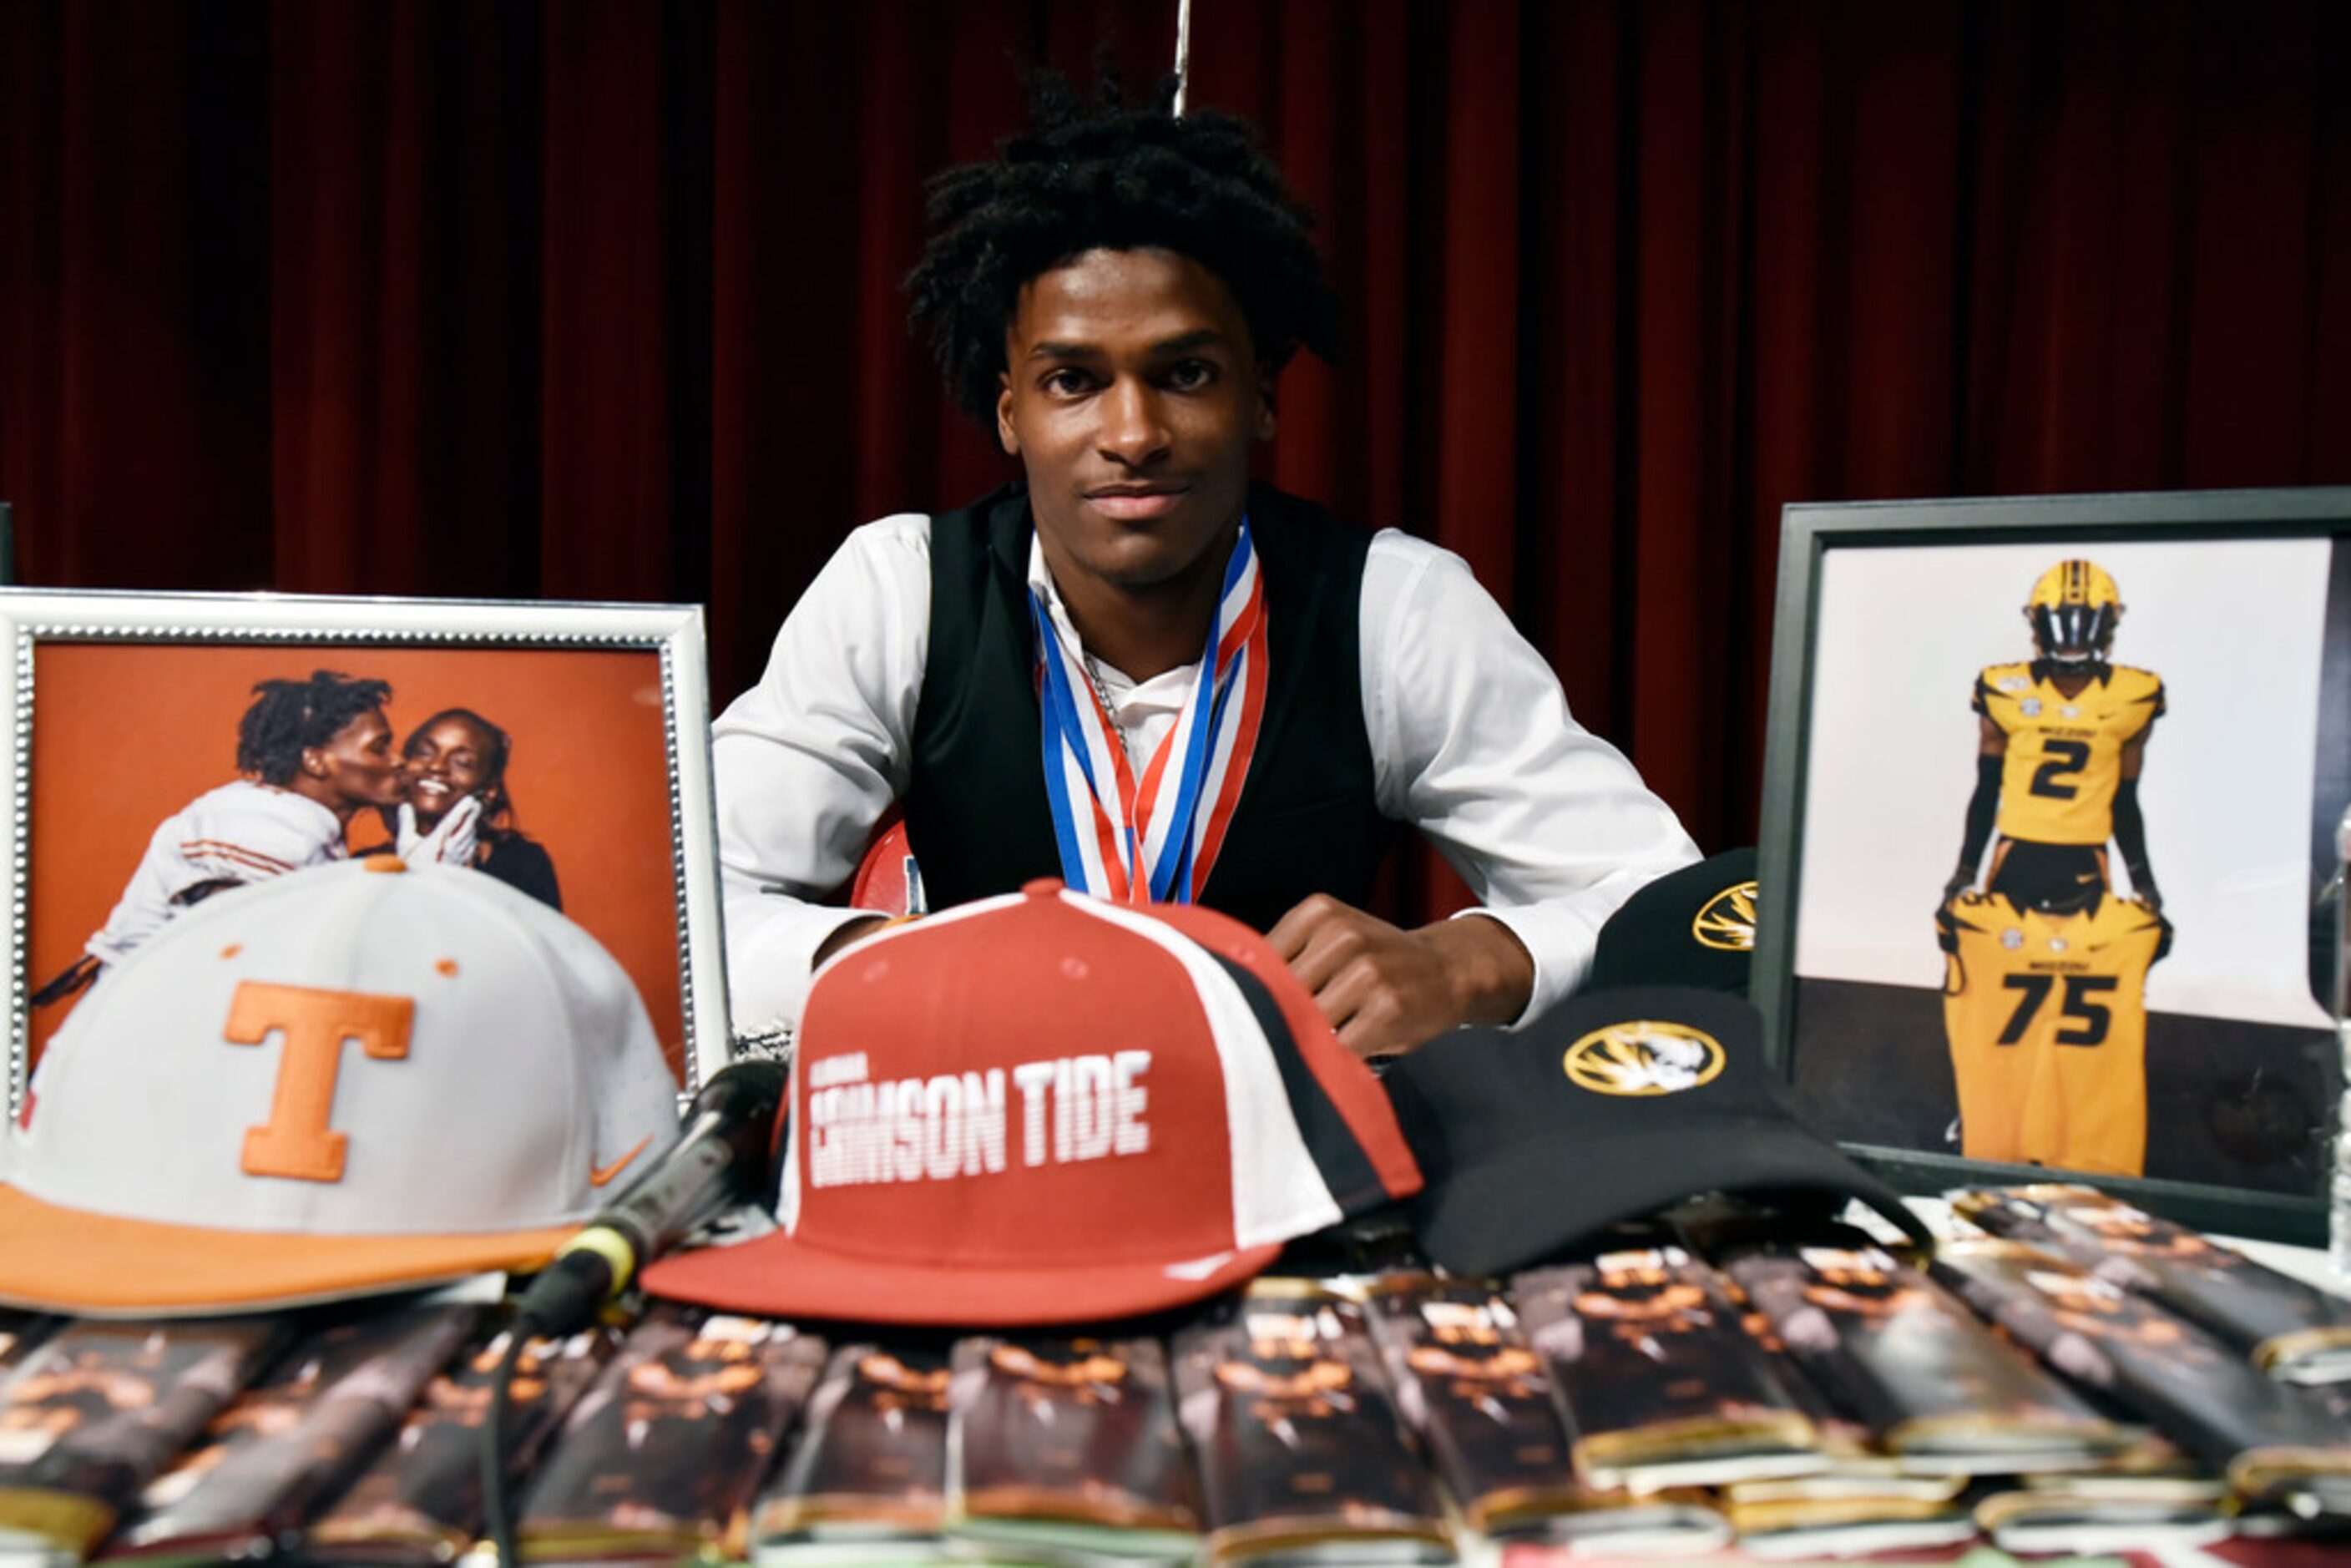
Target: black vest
977 816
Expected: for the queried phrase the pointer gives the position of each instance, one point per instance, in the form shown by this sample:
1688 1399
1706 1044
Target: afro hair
288 718
1107 174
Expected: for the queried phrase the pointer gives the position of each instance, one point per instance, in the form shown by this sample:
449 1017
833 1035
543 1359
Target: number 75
2089 1019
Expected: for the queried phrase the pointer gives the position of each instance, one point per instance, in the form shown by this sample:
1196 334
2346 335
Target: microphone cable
497 1507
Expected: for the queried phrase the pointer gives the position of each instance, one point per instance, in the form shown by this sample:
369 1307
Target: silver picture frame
630 669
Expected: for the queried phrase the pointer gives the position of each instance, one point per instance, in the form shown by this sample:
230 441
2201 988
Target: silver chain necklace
1101 695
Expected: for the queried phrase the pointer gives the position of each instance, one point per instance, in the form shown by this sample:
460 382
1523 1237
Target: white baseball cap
357 1078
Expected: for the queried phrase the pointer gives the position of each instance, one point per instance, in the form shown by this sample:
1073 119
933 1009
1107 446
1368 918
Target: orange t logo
297 1142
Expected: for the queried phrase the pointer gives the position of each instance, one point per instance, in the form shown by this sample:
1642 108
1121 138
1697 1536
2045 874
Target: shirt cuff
770 965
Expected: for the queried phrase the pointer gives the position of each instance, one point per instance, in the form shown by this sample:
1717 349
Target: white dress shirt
1471 737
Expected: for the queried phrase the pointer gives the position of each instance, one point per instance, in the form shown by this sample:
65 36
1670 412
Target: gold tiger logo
1727 920
1643 1057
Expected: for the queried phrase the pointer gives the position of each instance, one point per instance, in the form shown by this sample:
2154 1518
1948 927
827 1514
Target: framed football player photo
171 749
2047 845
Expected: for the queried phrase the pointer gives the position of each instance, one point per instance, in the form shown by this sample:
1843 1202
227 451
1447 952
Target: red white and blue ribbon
1154 839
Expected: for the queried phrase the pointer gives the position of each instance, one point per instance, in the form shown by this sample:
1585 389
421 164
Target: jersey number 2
2054 778
2090 1019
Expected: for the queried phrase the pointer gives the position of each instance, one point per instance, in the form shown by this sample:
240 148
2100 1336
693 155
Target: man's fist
1387 989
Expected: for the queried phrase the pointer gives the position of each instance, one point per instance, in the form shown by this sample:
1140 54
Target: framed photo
568 742
2049 793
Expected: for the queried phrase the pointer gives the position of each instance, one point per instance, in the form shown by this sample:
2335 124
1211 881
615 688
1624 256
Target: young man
1136 672
312 754
2061 740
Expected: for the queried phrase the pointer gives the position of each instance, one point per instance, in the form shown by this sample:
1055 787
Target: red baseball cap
1047 1108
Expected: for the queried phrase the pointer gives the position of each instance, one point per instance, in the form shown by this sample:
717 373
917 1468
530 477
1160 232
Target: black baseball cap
1613 1105
1695 926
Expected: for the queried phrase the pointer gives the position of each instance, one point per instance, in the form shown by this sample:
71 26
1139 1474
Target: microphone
721 1157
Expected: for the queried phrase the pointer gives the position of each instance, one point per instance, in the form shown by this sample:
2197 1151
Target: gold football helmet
2073 609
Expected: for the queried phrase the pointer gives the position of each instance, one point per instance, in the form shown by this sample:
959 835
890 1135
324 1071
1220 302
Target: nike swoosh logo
597 1177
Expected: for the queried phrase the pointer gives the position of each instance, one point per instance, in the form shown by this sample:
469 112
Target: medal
1154 839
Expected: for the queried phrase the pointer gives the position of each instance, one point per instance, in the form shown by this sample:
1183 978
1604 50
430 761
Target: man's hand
1962 881
1387 989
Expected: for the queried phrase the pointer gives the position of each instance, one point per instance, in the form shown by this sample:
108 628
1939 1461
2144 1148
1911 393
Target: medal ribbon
1155 839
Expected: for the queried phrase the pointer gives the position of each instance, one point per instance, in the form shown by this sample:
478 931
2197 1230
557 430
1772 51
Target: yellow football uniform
2065 754
2046 1020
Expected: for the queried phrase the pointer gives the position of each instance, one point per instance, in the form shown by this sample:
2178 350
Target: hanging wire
1183 54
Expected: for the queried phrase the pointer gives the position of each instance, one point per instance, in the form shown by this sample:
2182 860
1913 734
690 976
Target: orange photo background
124 735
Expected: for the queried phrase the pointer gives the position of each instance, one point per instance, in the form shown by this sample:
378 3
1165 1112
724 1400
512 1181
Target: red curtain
600 300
